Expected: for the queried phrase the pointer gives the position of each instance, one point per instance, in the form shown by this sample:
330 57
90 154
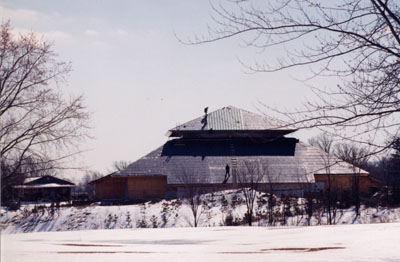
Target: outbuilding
45 188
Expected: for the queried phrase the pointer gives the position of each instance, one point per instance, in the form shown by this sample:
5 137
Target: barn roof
232 119
126 174
288 160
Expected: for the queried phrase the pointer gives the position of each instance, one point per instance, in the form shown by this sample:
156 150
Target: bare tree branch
356 43
39 126
250 176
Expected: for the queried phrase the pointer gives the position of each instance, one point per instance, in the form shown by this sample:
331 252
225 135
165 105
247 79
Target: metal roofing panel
228 118
287 160
232 118
253 121
319 162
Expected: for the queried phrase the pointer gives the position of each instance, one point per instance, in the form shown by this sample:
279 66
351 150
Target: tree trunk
250 218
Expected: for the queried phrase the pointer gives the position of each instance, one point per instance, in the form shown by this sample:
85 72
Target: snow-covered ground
217 209
368 242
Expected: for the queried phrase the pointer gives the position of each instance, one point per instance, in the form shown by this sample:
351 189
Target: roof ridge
233 118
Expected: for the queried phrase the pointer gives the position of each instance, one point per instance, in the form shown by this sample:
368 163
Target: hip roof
287 160
232 119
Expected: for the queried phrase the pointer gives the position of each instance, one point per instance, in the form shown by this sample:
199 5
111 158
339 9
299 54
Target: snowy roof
288 160
232 119
30 179
50 185
44 181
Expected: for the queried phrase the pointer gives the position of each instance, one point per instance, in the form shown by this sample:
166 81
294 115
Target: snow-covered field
162 232
367 242
215 211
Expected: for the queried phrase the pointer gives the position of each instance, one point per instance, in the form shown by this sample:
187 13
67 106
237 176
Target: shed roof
288 160
44 181
232 119
50 185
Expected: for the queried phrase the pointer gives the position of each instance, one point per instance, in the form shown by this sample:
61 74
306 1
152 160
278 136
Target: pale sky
138 79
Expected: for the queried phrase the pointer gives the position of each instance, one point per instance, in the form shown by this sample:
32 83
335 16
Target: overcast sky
138 79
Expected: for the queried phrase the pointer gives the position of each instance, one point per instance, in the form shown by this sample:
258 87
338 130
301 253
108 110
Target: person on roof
227 174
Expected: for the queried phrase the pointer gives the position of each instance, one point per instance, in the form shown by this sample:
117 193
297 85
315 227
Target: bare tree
380 168
358 157
271 179
309 197
119 165
192 183
326 144
308 188
330 189
36 120
33 167
393 172
323 141
249 177
84 183
353 154
355 43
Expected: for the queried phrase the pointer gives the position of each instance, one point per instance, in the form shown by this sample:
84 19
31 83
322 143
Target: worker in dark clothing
227 174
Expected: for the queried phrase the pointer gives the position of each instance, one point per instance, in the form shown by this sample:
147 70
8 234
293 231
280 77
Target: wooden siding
131 187
147 187
346 182
156 187
111 188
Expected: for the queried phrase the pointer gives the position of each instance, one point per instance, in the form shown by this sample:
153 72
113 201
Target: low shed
46 188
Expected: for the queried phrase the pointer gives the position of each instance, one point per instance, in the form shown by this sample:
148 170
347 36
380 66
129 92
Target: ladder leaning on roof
233 162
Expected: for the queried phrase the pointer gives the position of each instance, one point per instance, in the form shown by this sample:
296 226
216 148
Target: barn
208 153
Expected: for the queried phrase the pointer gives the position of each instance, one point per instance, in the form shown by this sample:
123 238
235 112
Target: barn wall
147 187
130 188
111 188
345 182
338 182
152 187
367 185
